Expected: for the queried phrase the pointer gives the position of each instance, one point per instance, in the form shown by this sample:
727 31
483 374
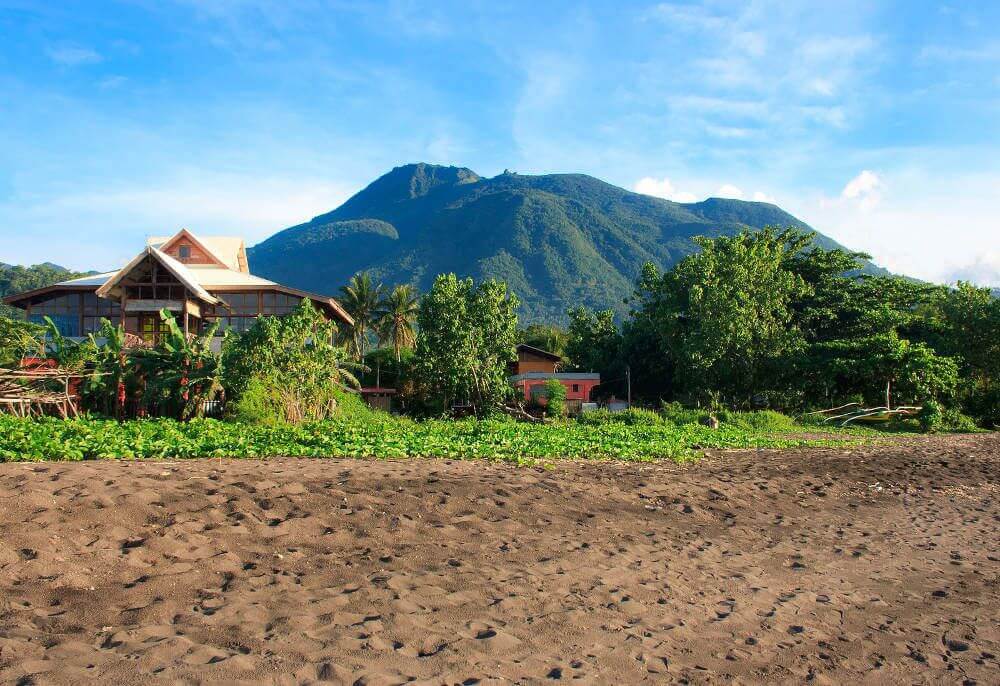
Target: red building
535 366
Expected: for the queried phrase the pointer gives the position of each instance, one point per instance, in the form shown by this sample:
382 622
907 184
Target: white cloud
865 182
930 227
761 196
662 188
865 189
729 191
984 270
73 55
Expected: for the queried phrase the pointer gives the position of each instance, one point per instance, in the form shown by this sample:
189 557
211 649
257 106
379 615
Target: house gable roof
228 252
538 352
182 273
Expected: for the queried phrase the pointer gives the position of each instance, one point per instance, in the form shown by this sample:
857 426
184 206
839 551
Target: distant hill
558 240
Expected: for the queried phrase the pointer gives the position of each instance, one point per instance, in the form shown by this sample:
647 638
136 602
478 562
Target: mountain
558 240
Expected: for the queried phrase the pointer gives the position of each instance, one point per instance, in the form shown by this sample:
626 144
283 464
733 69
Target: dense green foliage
465 342
547 337
557 240
179 372
18 337
768 319
115 376
377 435
555 398
18 279
287 369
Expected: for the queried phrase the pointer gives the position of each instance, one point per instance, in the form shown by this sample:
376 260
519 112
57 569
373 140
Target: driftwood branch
519 413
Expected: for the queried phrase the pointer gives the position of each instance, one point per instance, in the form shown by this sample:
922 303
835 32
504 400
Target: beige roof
209 276
226 249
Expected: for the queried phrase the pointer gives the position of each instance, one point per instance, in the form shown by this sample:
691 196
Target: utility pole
628 377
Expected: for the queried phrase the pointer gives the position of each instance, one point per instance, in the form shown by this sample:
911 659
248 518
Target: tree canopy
465 343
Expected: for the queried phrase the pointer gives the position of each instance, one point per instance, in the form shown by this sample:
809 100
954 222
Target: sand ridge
875 564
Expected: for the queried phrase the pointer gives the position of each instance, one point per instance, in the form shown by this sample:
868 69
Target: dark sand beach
874 564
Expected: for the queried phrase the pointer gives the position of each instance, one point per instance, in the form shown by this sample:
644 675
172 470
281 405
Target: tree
292 365
724 314
548 337
362 299
594 342
465 343
396 316
969 329
870 366
493 319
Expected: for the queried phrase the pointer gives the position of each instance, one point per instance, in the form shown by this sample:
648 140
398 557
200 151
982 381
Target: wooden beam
152 305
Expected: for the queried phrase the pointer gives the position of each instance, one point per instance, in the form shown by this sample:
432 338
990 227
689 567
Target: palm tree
396 317
361 297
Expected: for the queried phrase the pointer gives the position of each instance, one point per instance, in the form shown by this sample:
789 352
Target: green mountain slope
558 240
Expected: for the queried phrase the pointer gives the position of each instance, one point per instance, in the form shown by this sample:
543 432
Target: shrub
954 421
555 397
257 404
290 367
596 417
680 415
930 417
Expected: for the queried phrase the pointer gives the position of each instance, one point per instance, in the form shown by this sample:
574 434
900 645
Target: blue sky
878 123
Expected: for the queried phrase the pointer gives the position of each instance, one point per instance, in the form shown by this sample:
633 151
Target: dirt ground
875 564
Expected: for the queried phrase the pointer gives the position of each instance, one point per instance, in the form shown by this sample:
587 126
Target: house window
576 388
184 252
97 309
63 310
279 303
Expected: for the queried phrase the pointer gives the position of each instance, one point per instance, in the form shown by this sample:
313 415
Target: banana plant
181 371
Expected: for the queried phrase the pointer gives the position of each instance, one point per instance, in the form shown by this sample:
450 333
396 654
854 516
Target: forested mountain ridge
558 240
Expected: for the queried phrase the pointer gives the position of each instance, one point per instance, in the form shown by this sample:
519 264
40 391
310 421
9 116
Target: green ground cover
634 437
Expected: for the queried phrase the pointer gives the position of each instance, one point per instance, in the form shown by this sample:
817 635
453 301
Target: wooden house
200 279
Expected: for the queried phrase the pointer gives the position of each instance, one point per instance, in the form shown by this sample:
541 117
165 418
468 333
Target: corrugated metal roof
92 280
216 277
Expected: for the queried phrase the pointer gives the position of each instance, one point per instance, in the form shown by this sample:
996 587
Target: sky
878 123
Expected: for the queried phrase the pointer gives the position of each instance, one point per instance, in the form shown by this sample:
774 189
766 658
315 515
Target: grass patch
380 435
